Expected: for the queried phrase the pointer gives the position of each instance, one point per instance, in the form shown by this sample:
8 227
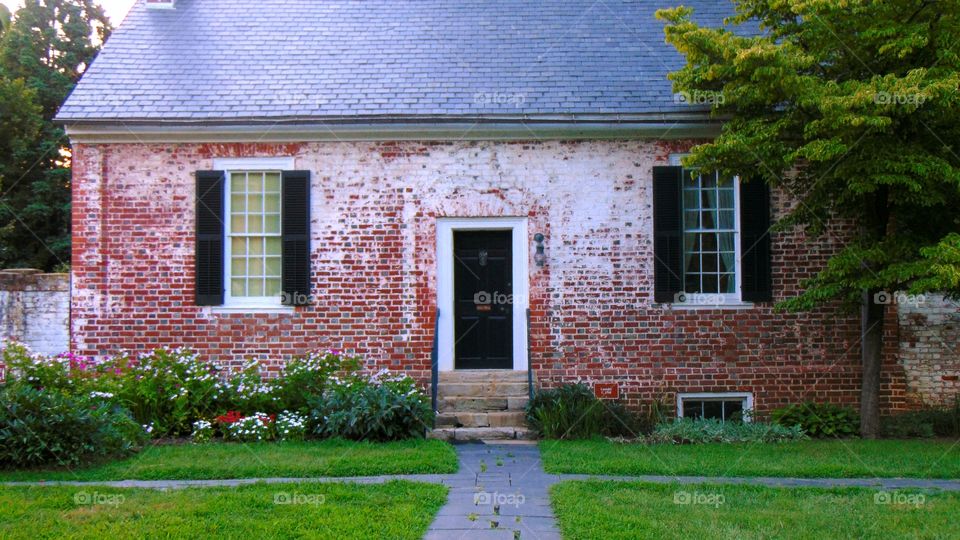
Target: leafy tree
4 18
48 46
853 108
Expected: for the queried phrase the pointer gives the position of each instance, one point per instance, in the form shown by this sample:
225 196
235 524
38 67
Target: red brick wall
374 208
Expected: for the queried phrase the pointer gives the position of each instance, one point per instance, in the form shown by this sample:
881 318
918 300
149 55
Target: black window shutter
209 240
296 237
667 233
755 282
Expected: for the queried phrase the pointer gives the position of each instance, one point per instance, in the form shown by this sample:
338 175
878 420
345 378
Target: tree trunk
872 312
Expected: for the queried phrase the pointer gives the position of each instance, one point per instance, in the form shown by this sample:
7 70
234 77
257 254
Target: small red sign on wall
606 390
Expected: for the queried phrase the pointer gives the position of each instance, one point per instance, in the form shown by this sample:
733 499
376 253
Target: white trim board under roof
519 129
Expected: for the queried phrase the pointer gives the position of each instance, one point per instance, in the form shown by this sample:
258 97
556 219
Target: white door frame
445 295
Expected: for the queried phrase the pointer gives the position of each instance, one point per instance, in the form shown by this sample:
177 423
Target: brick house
493 185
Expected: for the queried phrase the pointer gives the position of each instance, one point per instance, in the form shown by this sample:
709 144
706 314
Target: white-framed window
711 238
252 231
715 405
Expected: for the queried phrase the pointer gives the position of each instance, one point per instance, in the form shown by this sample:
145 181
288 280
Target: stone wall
35 309
930 349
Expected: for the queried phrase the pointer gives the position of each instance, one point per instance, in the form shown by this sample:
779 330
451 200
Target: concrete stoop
479 405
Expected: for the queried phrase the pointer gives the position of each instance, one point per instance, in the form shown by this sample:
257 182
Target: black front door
483 296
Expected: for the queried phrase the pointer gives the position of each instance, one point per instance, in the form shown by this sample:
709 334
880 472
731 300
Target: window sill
709 307
226 310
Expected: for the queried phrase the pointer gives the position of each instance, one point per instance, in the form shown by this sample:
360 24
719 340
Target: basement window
720 406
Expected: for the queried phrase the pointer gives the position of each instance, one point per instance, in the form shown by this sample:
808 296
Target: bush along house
491 188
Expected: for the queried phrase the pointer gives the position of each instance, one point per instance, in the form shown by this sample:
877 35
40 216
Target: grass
394 510
852 458
612 510
261 460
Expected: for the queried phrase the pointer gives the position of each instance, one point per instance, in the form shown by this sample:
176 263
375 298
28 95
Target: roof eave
389 128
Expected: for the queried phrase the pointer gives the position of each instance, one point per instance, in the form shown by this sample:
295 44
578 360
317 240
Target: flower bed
175 393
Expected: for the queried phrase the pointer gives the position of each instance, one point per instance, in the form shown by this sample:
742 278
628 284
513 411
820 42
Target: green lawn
237 460
808 459
611 510
394 510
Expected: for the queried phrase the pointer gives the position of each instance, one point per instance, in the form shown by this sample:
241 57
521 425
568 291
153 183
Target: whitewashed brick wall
930 348
35 309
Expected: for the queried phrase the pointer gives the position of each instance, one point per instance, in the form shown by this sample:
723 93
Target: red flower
230 417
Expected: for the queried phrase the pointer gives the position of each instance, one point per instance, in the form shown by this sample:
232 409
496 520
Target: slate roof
234 60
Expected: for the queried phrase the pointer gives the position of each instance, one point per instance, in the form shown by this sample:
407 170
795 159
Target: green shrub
166 389
928 422
697 431
819 419
572 411
247 390
379 407
39 427
304 379
42 372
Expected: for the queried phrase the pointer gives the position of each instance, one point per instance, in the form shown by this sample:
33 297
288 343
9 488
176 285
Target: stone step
481 434
496 389
483 375
482 419
480 404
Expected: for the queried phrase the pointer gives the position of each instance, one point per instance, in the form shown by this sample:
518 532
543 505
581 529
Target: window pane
238 224
255 223
274 246
708 180
256 266
691 199
255 287
692 283
691 220
726 219
237 287
238 246
713 409
710 283
255 182
237 204
238 182
273 266
256 246
692 409
728 283
708 220
272 182
710 262
726 198
272 203
238 266
708 242
272 287
271 223
732 410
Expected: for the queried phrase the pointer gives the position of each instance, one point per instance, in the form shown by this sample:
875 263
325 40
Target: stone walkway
502 492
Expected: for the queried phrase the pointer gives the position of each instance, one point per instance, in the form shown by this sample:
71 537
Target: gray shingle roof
216 60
